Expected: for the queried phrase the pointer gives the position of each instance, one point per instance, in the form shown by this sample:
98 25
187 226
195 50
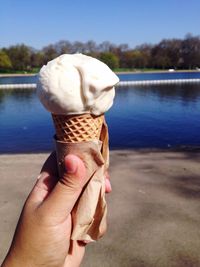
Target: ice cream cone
86 136
82 88
77 128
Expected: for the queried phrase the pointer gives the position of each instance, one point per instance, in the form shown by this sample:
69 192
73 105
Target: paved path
154 209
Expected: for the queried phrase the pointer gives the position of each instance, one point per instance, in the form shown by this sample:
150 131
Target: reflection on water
18 79
148 116
159 76
185 93
22 96
25 125
155 116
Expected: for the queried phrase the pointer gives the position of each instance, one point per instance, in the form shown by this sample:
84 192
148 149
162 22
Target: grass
124 70
136 70
32 71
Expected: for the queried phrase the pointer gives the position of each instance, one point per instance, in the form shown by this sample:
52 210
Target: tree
160 55
20 56
134 59
139 59
125 60
110 59
37 59
191 51
63 47
78 47
49 53
5 62
169 53
91 47
105 47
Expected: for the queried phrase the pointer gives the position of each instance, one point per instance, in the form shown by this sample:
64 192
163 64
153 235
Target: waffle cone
72 132
77 128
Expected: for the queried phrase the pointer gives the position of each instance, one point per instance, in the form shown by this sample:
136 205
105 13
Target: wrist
12 261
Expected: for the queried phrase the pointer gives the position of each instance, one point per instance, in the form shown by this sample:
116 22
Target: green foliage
5 62
49 53
110 59
37 59
20 56
169 53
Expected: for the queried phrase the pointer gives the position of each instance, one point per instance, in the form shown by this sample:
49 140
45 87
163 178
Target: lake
161 116
123 77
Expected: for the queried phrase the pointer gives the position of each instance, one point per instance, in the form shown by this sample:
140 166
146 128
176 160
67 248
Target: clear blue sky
41 22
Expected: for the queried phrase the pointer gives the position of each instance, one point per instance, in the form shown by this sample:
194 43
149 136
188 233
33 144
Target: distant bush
169 53
5 62
110 59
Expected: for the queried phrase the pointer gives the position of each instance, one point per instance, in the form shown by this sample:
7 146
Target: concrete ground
154 209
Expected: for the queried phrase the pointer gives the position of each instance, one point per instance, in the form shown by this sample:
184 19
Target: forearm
13 262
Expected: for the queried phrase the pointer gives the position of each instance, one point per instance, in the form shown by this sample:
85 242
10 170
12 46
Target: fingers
108 187
50 166
65 192
46 180
63 197
76 254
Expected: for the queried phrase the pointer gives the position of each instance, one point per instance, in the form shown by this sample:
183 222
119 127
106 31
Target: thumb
63 197
74 173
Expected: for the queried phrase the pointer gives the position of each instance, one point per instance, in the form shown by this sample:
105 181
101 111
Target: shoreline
2 75
155 71
181 149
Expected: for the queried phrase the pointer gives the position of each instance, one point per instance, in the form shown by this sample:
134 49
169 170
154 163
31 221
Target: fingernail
42 176
108 186
39 176
86 242
71 164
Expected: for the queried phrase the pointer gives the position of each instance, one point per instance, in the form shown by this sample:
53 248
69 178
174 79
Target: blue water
18 79
123 77
159 76
152 116
155 116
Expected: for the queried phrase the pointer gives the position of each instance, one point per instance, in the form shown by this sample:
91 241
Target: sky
38 23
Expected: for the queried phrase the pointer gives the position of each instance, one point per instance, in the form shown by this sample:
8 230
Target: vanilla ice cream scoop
76 84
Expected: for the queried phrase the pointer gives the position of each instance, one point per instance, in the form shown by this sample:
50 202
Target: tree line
167 54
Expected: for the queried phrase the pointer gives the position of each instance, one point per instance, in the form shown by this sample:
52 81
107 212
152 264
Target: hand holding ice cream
78 90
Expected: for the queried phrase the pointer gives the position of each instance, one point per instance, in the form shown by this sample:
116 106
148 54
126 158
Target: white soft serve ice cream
76 84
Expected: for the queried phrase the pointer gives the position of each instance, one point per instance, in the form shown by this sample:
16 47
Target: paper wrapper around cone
87 137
